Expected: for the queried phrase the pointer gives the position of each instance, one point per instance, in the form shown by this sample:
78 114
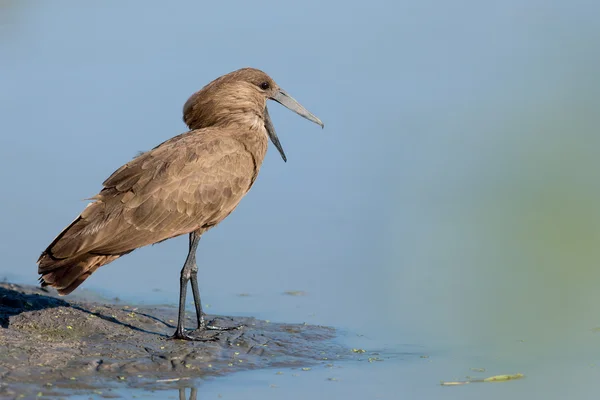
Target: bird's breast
255 143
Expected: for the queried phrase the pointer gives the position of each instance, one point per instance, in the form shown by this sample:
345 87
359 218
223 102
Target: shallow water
449 208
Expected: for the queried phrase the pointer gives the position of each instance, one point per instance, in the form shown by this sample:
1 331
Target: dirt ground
55 347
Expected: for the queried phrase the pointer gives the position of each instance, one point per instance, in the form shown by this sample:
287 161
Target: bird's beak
289 102
273 134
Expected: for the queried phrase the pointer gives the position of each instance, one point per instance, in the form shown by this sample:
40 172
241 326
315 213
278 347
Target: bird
184 186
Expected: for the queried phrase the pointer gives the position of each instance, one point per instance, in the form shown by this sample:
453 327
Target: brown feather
188 183
132 211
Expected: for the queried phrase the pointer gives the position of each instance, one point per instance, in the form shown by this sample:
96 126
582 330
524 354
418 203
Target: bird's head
240 97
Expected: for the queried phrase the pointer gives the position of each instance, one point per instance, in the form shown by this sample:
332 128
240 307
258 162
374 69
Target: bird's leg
197 303
189 272
194 282
202 325
186 274
193 393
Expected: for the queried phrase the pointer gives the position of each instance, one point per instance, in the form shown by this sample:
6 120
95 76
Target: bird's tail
66 275
73 256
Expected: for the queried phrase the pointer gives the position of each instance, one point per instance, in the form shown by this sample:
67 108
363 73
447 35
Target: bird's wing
190 182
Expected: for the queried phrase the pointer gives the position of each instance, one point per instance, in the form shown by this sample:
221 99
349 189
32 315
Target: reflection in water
193 393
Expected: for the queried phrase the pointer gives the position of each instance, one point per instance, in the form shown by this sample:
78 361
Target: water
448 209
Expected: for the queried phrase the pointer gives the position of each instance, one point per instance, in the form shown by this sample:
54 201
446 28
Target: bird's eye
264 85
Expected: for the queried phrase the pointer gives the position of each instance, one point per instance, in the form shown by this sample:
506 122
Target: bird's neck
244 118
234 106
255 141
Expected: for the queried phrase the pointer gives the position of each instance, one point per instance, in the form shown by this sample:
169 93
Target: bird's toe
210 326
181 335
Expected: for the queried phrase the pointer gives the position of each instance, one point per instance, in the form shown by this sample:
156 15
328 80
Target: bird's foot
210 326
198 337
181 334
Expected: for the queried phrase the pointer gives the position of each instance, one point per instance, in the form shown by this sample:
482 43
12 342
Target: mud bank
52 346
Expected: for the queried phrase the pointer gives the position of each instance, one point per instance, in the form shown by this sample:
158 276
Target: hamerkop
185 185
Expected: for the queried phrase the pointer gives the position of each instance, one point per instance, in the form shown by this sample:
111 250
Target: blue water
450 204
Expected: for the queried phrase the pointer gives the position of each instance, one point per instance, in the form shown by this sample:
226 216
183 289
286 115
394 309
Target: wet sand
58 347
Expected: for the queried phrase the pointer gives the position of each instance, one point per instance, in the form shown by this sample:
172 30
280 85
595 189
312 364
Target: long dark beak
290 103
273 134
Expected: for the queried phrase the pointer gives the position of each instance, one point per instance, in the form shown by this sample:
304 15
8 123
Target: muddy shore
54 346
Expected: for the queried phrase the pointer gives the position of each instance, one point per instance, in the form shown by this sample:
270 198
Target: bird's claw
211 327
181 335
